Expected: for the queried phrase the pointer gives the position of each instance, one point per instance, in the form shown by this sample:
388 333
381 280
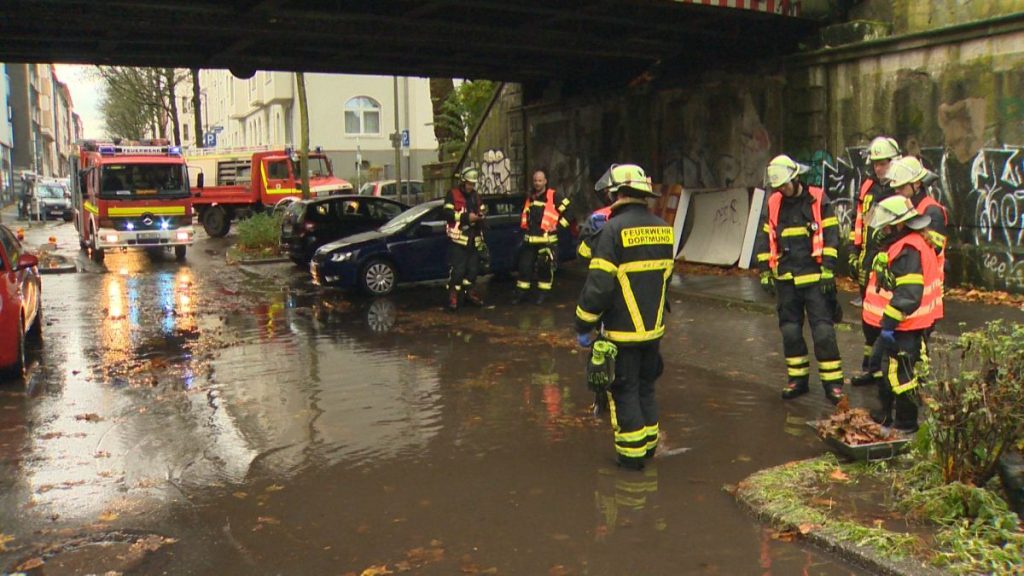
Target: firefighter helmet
625 176
783 169
469 174
895 210
883 148
906 170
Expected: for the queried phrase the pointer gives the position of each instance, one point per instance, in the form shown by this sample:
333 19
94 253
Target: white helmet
883 148
897 209
906 170
783 169
629 176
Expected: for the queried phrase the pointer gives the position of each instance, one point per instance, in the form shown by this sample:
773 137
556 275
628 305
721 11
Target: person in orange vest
796 251
464 218
902 298
907 178
881 153
543 215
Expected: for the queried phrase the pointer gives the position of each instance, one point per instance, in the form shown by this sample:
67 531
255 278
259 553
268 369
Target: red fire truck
246 181
131 195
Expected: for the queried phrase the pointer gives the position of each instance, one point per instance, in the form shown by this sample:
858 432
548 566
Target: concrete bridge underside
600 41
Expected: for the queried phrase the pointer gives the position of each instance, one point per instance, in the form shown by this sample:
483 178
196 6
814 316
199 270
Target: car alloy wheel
379 278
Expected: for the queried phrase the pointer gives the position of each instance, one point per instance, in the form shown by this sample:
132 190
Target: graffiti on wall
495 173
985 202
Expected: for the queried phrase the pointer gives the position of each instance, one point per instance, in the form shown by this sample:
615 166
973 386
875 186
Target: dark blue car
413 247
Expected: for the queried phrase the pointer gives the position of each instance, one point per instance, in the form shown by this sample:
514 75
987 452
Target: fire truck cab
131 195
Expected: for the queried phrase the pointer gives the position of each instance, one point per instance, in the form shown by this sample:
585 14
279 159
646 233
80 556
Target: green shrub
259 233
975 398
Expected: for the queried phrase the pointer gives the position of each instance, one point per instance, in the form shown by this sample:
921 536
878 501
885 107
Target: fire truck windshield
318 167
141 181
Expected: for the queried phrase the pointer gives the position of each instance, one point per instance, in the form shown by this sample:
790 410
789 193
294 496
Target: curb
257 261
66 269
859 556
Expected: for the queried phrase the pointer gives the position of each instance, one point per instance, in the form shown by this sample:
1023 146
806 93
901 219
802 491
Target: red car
21 312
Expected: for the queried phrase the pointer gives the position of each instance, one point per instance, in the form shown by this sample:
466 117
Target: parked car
309 224
50 199
21 312
413 246
390 189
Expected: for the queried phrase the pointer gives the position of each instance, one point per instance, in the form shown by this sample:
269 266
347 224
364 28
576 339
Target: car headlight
341 256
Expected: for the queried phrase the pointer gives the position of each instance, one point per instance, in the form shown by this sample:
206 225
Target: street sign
210 140
405 138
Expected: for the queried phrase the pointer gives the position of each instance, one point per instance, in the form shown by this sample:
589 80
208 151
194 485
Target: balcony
279 89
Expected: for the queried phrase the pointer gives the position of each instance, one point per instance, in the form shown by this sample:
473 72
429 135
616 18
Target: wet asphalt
199 418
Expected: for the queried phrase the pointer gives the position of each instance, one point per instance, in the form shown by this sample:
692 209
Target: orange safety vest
858 224
549 223
454 230
923 205
817 234
930 310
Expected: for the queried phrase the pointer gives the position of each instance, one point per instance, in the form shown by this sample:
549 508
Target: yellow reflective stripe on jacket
806 279
767 228
764 256
616 336
894 313
545 239
833 252
910 279
588 317
830 221
936 238
665 266
449 206
584 251
795 231
604 265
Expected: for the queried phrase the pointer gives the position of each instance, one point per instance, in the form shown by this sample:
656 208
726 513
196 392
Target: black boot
794 389
906 413
520 296
630 463
834 392
883 415
863 379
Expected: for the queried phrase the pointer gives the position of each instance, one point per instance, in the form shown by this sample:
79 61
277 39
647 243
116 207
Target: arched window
362 116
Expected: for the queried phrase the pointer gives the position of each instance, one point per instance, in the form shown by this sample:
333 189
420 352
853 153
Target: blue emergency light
107 150
174 151
129 226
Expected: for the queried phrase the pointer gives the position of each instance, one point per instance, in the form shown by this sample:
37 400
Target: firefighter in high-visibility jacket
464 217
881 153
543 215
796 251
625 292
908 178
903 295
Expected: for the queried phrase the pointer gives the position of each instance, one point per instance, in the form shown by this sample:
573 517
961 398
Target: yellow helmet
469 174
883 148
897 209
783 169
629 176
906 170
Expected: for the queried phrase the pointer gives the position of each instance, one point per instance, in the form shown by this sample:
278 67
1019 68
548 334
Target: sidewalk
746 291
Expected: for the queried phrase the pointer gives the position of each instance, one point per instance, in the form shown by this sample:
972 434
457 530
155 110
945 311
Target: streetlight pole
397 141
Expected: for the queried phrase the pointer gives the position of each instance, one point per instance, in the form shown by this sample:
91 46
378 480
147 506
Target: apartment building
6 138
350 117
43 128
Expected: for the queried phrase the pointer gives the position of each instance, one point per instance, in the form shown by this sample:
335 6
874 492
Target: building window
184 130
362 116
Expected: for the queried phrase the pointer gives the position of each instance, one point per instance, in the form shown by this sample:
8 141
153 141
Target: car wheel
379 277
97 253
216 221
68 216
17 369
179 253
35 331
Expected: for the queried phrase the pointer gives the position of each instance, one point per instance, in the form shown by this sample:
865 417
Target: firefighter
880 155
907 178
903 296
796 250
464 217
543 215
625 291
594 223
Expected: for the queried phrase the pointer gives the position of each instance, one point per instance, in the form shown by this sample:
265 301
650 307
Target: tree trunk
440 88
300 80
197 115
173 99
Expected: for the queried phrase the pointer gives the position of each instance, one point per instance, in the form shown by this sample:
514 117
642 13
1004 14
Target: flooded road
255 425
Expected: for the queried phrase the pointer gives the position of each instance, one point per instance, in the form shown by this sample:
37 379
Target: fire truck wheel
216 222
179 253
98 254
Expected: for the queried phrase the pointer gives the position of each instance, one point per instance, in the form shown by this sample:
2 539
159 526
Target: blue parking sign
210 140
405 138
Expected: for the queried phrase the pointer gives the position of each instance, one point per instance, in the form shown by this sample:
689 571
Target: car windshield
402 220
50 191
143 181
366 189
317 167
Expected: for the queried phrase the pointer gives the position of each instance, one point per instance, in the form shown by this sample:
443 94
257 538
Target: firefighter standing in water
543 215
464 217
796 250
881 153
903 296
625 292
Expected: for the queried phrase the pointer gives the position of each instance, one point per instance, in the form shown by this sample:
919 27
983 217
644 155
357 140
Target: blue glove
585 339
888 339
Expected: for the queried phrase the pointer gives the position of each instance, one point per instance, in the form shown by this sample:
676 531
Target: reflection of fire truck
231 184
131 196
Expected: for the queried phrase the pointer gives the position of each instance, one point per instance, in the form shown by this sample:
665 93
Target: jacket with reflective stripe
457 207
857 236
589 230
800 236
936 234
916 298
629 273
541 218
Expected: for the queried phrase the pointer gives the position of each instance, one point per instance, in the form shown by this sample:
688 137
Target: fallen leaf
239 495
805 528
268 520
839 476
108 517
90 417
30 564
274 488
4 539
376 571
743 458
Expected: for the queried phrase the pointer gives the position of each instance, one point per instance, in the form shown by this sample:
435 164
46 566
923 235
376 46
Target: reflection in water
627 499
381 315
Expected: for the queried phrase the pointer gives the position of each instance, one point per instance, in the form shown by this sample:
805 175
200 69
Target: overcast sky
86 92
